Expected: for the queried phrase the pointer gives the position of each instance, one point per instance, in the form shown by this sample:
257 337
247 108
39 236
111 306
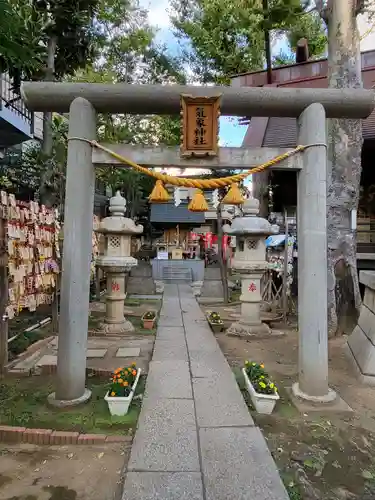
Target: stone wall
140 281
361 343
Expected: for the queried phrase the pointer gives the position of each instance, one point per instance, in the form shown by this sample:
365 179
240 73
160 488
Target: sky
231 134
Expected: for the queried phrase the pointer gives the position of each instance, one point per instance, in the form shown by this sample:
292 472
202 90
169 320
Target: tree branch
322 9
359 6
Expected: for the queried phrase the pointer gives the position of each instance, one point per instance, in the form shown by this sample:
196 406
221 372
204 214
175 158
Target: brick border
10 434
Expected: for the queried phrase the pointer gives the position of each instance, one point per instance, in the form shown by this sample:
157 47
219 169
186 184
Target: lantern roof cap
116 223
250 222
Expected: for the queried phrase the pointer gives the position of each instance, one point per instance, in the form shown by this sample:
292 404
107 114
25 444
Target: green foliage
214 318
311 27
259 378
22 174
71 23
122 381
26 26
24 402
20 35
227 38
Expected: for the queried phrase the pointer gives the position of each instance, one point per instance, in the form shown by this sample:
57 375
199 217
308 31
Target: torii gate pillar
75 283
312 383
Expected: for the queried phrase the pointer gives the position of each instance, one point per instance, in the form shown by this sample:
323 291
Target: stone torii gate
310 106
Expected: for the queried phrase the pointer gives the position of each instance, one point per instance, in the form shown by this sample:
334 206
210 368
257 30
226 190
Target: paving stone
237 464
163 486
165 350
170 332
200 337
166 438
209 363
26 364
219 402
46 360
128 352
170 320
169 379
96 353
176 341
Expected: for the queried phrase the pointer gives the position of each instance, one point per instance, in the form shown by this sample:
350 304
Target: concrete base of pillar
197 288
338 405
327 398
240 329
59 403
116 328
159 286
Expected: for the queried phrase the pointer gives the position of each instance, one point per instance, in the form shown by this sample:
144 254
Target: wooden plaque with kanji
200 125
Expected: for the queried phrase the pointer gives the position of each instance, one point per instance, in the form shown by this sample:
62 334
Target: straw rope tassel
159 194
198 202
233 196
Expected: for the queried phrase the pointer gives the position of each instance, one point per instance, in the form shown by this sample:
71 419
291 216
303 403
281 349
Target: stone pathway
195 439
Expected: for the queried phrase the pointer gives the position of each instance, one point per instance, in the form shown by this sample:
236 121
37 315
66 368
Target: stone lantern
250 262
116 262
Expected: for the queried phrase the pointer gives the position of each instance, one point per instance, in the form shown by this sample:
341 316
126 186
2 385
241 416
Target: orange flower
126 383
134 372
261 365
113 394
126 372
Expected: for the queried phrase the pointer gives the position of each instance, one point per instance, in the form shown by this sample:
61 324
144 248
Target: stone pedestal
249 322
361 343
115 321
250 262
116 262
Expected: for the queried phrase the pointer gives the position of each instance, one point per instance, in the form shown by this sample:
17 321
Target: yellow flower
262 376
254 364
113 394
272 385
262 365
247 362
120 381
134 363
126 383
262 384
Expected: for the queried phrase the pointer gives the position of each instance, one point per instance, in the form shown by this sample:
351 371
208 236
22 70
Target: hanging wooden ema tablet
200 125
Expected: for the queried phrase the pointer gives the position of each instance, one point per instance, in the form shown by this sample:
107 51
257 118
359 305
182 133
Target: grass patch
131 302
23 402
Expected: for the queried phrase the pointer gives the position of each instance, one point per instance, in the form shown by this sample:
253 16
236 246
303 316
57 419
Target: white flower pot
263 403
120 406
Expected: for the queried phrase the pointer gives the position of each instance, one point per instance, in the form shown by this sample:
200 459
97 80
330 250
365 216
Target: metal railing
10 98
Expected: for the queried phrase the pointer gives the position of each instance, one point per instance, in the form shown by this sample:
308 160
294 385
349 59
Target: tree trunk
46 197
344 171
222 262
267 43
